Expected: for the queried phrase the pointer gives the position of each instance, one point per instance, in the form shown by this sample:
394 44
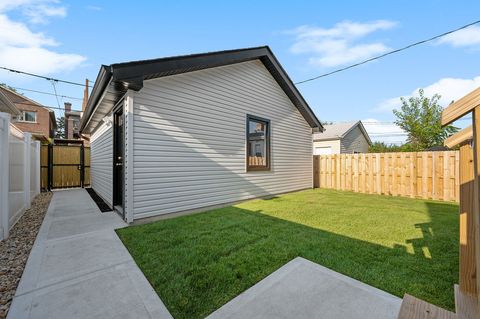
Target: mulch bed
15 249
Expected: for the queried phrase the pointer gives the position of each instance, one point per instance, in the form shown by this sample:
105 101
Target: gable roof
339 131
7 106
114 80
18 100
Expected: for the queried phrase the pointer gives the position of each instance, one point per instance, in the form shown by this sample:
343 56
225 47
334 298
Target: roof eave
9 104
103 79
130 75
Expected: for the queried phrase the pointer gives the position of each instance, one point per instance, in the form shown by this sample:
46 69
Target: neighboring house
197 131
72 122
32 117
341 138
7 106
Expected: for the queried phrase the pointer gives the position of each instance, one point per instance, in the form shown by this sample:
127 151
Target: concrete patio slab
79 268
303 289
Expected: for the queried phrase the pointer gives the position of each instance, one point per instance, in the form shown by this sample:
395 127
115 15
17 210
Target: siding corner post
129 118
26 169
4 174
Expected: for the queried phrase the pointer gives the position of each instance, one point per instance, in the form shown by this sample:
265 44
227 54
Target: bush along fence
19 173
427 175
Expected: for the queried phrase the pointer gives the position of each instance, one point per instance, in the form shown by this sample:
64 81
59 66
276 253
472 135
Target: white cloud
463 38
450 89
339 45
21 48
37 11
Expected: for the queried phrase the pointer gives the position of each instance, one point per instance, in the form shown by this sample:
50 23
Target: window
27 116
258 144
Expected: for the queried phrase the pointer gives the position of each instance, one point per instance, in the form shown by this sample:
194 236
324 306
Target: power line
47 106
55 90
48 93
43 77
389 53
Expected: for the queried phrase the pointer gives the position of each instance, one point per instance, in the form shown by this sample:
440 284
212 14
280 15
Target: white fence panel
19 173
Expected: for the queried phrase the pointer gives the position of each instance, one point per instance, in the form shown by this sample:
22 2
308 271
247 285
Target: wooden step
414 308
465 305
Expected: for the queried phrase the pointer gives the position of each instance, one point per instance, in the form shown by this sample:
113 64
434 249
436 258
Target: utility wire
43 77
55 90
389 53
47 106
48 93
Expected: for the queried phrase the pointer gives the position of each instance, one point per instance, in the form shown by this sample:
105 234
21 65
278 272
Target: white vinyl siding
101 159
354 142
190 138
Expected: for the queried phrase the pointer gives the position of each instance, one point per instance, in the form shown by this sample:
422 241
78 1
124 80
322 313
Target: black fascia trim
129 70
130 75
103 78
292 88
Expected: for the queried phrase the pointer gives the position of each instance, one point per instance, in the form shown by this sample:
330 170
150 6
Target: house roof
18 100
114 80
339 131
7 106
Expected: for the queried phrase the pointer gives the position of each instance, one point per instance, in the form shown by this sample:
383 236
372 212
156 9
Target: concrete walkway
79 268
303 289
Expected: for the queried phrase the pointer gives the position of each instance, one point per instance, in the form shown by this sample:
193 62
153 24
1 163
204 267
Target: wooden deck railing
467 296
256 161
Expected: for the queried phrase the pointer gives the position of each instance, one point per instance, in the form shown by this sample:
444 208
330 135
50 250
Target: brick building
32 117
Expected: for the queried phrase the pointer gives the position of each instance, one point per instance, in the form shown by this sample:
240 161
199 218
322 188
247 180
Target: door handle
118 164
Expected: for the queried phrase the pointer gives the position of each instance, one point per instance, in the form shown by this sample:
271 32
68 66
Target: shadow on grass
198 263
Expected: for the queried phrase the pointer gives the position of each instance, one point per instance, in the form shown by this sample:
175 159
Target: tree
420 117
60 127
381 147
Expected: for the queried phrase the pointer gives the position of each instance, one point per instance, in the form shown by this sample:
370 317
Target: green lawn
199 262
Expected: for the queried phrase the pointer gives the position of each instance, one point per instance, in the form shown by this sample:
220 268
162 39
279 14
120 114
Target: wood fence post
316 173
467 280
378 171
82 166
476 203
338 163
446 176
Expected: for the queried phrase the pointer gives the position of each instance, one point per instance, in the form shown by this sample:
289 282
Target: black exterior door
118 160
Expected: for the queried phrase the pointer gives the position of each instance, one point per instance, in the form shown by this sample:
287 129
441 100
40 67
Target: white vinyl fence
19 173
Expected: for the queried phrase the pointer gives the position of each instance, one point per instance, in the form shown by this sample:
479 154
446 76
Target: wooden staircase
414 308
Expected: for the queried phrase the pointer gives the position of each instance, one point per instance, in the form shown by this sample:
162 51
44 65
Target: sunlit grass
199 262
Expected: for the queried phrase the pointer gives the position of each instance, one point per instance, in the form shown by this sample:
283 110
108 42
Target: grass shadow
198 263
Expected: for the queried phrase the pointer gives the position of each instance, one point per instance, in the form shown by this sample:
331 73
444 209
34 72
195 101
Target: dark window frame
266 167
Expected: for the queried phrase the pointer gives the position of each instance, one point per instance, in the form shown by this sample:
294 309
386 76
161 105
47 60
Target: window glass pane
257 143
30 116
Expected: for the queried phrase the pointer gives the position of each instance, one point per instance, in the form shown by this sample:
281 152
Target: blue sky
71 39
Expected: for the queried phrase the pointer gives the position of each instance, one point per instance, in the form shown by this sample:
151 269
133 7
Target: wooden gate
65 166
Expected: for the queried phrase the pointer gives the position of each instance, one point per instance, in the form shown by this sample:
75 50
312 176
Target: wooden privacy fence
427 175
64 166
